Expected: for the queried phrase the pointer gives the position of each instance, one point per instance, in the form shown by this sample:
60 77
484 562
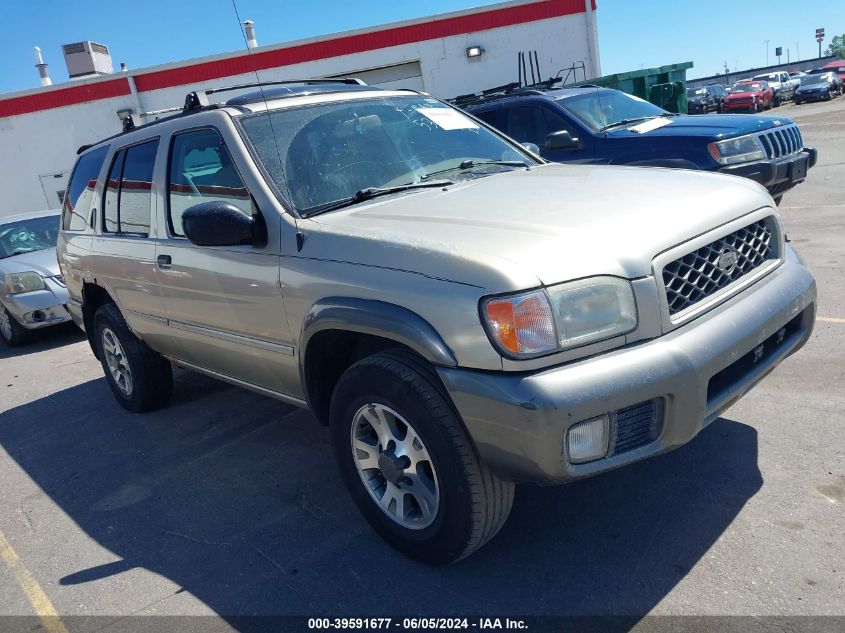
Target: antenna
299 235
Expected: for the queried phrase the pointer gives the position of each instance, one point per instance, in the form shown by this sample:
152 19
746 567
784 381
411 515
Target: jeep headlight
18 283
560 317
736 150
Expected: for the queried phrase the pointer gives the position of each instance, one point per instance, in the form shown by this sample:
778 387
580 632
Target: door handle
164 262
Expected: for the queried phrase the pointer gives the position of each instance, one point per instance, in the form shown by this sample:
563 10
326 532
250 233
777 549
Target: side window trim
120 154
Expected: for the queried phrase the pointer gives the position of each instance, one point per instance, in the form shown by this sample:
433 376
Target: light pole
797 53
767 52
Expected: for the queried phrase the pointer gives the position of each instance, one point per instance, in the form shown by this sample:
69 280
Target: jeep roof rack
514 90
199 99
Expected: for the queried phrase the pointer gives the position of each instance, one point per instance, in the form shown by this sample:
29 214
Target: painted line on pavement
830 320
34 593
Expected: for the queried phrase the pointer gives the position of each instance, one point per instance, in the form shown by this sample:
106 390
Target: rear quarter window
76 209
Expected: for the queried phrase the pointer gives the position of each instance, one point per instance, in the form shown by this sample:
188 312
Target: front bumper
815 95
778 174
519 422
739 107
42 308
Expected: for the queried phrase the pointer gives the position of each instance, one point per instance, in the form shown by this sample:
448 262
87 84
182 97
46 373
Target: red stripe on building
64 97
360 43
247 63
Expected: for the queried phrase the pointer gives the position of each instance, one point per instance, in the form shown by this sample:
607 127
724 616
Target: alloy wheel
116 361
395 466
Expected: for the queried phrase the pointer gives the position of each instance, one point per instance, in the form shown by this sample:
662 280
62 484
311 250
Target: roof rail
507 90
199 99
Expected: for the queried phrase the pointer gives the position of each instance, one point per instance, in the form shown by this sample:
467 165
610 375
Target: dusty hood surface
541 226
43 262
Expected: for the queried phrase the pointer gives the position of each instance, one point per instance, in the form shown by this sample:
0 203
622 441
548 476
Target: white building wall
45 142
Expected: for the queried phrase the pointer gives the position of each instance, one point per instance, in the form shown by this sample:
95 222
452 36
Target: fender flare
377 318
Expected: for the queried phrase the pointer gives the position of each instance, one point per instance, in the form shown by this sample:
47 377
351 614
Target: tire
758 107
465 503
12 332
140 379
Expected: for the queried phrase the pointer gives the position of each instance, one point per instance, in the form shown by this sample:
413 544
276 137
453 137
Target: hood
43 262
524 228
711 126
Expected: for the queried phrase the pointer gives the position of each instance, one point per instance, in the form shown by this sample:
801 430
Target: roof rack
199 99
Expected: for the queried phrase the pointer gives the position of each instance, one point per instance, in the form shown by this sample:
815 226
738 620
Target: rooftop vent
87 59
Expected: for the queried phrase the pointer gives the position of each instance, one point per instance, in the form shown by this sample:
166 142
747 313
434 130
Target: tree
837 46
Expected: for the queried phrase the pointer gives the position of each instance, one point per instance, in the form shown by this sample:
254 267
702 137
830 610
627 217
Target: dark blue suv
595 125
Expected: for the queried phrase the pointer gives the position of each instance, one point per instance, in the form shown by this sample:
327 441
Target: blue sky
631 33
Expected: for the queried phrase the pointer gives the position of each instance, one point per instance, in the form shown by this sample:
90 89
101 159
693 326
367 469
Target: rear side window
532 124
201 170
77 205
127 203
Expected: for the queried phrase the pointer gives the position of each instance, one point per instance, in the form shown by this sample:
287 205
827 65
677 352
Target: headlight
736 150
18 283
560 317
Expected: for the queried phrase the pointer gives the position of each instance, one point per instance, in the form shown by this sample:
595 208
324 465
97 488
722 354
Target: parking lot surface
229 503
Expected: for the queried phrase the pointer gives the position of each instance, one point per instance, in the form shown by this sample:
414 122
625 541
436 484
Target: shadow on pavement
235 498
45 339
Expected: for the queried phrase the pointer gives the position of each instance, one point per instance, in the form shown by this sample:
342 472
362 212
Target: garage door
407 75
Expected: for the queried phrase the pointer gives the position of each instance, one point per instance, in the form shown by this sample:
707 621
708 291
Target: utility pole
797 53
787 55
767 52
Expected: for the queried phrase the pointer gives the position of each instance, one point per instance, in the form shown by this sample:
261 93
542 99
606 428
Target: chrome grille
709 269
781 141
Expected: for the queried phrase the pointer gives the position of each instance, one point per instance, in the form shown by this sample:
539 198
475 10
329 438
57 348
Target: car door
123 246
532 123
225 302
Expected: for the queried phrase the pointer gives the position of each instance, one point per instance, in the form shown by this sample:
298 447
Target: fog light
587 441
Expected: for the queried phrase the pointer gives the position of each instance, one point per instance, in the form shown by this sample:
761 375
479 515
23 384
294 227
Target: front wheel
140 379
408 464
12 332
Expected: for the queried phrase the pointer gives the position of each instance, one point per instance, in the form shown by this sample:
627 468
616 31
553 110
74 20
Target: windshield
693 92
600 109
767 78
747 88
26 236
813 79
323 154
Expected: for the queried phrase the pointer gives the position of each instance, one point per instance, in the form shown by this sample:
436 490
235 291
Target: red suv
754 96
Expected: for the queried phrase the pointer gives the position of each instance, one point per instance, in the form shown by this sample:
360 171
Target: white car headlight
18 283
560 317
736 150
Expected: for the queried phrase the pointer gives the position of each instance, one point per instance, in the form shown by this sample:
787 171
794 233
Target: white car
782 84
32 291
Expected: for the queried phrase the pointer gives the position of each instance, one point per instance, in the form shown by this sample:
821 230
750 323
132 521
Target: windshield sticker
652 124
448 119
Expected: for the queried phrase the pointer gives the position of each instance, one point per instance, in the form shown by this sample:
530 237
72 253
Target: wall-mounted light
474 51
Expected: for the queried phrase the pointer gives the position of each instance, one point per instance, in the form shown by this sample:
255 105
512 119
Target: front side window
318 155
532 124
127 204
201 170
77 202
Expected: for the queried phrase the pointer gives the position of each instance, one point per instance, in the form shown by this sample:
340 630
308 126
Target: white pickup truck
782 84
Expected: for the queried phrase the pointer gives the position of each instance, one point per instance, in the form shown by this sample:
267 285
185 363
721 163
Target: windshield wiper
471 164
627 121
374 192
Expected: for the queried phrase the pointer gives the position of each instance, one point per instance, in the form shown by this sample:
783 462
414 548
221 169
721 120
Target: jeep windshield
606 109
325 156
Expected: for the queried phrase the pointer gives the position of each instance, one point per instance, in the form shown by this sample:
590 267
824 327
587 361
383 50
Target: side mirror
531 147
562 139
218 223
